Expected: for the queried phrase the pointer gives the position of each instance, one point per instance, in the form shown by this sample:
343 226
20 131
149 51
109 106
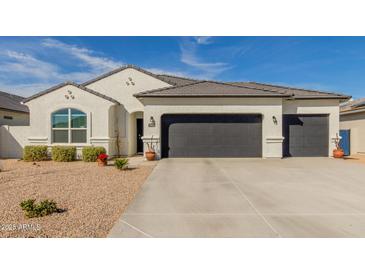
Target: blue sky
31 64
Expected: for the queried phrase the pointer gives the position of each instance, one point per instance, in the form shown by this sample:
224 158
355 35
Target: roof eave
110 73
320 97
100 95
352 111
209 96
14 110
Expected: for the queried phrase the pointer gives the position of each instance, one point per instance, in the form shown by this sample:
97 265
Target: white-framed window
69 125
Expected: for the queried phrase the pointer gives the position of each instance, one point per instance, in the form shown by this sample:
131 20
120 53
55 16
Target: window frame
69 128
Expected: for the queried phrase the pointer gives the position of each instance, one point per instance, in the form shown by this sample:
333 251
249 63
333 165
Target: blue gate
345 141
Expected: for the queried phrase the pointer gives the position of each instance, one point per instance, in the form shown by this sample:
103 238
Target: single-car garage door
211 135
305 135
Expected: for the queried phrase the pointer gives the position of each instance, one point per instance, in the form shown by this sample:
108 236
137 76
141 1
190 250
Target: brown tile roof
209 89
177 80
72 84
296 93
12 102
182 86
358 104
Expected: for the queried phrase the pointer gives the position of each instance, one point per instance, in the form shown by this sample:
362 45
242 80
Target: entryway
139 140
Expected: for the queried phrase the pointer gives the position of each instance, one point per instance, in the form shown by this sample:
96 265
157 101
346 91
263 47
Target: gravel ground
93 197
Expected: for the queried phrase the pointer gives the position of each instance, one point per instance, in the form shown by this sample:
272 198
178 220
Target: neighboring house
352 118
12 112
125 108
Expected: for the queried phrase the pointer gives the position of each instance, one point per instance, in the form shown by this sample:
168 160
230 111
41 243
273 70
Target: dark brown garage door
305 135
211 135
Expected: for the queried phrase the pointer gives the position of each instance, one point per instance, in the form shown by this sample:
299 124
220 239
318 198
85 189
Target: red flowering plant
102 159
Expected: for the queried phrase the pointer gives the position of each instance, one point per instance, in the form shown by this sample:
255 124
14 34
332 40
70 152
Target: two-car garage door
240 135
211 135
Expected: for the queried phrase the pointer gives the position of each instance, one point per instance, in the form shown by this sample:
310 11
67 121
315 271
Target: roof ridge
295 88
180 77
80 86
166 88
148 92
121 68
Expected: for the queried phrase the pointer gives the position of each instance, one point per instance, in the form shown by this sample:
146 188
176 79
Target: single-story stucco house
352 119
123 109
12 112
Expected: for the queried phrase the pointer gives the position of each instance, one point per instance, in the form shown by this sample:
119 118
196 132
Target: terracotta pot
102 163
150 155
338 153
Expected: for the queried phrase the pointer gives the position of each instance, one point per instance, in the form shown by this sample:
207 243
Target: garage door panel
305 135
211 135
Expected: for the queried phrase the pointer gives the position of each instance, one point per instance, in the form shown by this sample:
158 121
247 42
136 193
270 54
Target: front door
139 135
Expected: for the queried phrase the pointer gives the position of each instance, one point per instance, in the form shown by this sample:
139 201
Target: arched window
69 126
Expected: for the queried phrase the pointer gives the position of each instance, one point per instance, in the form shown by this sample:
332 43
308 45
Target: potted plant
338 151
102 159
150 153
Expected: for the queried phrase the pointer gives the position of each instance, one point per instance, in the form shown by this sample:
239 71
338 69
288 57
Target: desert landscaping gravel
92 197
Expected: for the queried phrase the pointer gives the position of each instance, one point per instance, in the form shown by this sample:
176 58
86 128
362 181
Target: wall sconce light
152 122
274 120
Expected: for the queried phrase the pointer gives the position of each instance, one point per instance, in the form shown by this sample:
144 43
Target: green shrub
63 153
45 207
121 163
90 154
35 153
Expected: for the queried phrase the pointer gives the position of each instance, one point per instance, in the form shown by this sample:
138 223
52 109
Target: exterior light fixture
152 122
274 120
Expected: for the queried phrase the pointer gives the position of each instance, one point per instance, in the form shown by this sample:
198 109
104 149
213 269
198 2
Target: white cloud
21 63
85 55
24 90
203 40
190 57
25 73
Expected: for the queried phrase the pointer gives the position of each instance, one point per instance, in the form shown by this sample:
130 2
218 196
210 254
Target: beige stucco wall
323 106
356 123
100 117
116 87
12 141
271 133
19 118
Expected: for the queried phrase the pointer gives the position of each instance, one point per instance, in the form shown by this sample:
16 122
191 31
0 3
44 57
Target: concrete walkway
295 197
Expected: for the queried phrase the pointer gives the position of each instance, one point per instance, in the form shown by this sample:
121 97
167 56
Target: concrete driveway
295 197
